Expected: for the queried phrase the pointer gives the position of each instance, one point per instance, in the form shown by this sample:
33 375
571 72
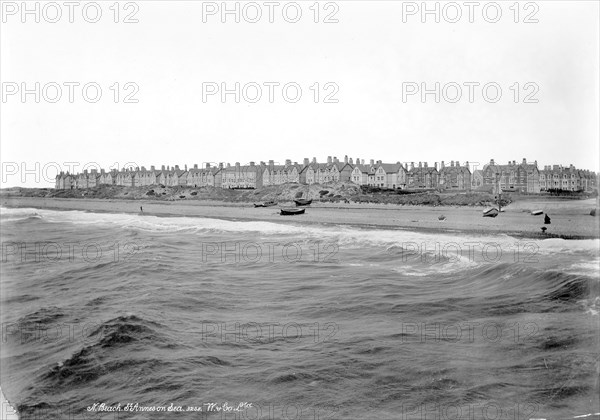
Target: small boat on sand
292 212
266 204
303 202
537 212
491 212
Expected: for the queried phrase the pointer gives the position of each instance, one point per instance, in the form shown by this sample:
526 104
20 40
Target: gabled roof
418 169
390 167
452 169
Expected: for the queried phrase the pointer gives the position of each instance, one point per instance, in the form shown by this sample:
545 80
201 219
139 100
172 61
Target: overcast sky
370 66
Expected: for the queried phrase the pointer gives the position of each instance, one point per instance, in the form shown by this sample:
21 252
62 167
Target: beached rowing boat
302 202
292 212
266 204
491 212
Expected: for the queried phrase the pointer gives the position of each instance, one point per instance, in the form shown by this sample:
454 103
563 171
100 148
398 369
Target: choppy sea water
288 321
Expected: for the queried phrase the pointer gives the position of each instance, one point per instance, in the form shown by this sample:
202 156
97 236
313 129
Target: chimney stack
350 161
195 166
328 159
372 162
336 160
251 163
207 165
442 166
435 166
220 165
492 162
314 160
346 159
288 162
271 162
306 161
524 161
152 168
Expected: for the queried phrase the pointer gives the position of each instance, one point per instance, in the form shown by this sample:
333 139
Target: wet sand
570 218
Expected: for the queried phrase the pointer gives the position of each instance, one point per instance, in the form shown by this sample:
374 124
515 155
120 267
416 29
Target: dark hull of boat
265 205
301 203
490 212
292 212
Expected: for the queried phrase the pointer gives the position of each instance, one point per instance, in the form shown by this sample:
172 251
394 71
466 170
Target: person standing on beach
141 209
546 219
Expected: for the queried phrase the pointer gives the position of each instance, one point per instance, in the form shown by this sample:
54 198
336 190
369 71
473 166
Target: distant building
455 176
242 176
568 178
204 177
422 176
281 174
379 174
64 181
477 179
332 171
518 177
523 177
125 178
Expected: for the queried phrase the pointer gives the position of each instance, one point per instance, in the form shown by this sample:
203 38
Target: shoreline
570 220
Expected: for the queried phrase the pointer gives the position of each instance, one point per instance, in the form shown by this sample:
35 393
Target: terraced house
455 176
523 177
379 174
332 171
204 177
422 176
569 178
280 174
517 177
242 176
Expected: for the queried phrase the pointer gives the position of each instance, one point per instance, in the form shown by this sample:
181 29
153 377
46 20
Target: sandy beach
570 218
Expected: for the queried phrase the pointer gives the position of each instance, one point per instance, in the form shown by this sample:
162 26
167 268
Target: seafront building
520 177
557 177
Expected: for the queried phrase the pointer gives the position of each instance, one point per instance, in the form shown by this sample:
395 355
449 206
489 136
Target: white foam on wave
456 246
13 215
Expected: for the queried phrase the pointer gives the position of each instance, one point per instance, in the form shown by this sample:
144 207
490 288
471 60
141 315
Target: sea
133 316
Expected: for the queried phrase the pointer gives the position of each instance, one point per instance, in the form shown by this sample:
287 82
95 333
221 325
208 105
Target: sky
501 80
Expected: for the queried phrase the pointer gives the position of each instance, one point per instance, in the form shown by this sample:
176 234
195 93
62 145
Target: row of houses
526 177
522 177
